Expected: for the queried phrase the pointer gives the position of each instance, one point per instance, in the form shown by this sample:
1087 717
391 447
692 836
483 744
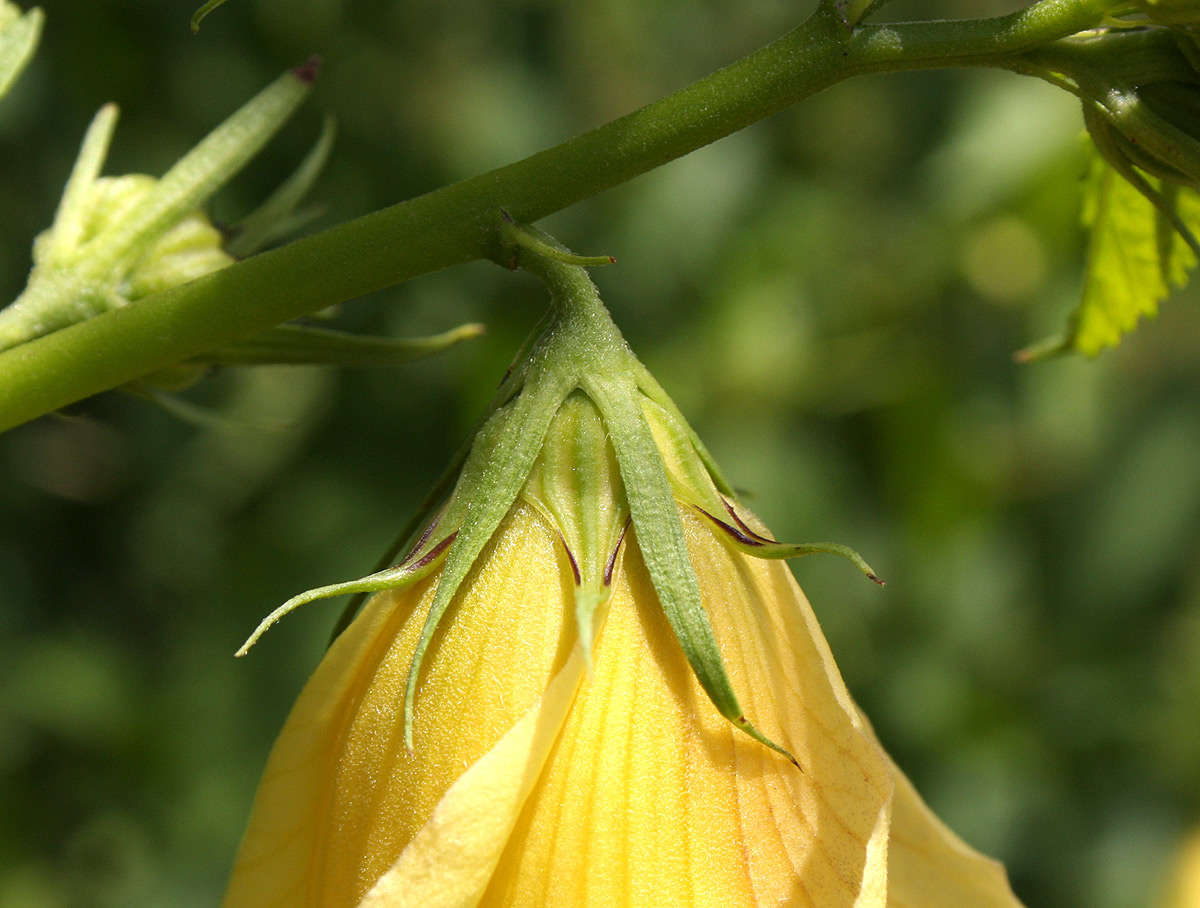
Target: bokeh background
833 296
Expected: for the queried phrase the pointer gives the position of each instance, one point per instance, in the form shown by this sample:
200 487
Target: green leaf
747 540
1136 254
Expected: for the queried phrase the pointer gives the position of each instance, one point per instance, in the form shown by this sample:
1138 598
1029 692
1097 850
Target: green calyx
1139 83
582 432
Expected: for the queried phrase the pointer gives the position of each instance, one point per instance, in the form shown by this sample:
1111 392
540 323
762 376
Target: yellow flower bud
533 783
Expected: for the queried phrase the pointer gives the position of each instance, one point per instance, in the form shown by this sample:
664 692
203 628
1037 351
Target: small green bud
18 39
114 240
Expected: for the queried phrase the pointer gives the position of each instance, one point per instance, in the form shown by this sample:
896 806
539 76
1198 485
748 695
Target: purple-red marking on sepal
571 558
733 531
433 553
307 71
416 547
742 523
612 559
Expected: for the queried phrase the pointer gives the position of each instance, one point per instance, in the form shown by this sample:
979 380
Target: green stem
458 223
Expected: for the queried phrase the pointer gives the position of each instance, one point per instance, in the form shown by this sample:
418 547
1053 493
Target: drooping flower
523 715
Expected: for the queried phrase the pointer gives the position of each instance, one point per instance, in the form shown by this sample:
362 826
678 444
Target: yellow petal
340 797
931 867
632 791
651 798
450 861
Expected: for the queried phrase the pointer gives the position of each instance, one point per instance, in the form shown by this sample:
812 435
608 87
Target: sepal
747 540
416 567
202 13
691 479
664 550
576 484
501 458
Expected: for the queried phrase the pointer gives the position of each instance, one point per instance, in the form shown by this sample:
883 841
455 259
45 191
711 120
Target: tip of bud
1042 350
308 71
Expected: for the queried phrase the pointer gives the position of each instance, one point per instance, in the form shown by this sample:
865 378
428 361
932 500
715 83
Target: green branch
458 223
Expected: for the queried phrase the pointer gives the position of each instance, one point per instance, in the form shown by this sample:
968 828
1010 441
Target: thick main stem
457 223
